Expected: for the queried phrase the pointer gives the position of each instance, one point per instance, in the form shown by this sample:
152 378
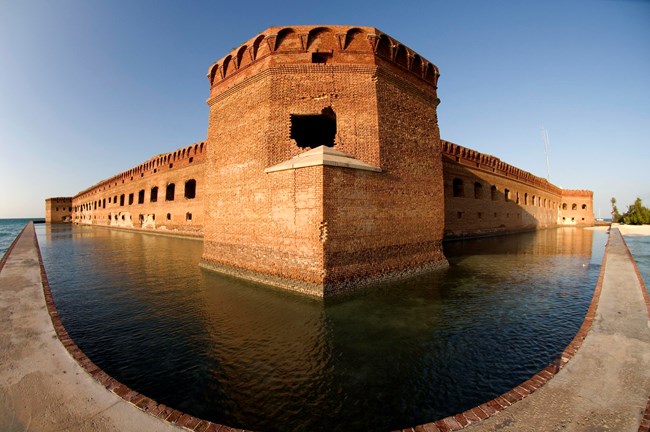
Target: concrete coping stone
319 156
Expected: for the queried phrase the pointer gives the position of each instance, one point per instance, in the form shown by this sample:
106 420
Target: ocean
9 229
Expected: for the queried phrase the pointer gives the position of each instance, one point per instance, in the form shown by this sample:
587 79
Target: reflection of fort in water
323 170
560 241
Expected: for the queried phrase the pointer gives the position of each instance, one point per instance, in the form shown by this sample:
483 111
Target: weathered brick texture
58 210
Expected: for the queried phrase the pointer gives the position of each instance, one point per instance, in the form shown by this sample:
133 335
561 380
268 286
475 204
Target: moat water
252 357
639 246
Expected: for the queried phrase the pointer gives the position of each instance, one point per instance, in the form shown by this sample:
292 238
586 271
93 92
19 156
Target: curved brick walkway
47 384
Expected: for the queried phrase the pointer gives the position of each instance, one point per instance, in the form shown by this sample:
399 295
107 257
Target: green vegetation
636 213
616 216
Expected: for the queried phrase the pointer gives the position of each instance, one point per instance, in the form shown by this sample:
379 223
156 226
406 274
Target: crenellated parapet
183 156
321 45
582 193
493 164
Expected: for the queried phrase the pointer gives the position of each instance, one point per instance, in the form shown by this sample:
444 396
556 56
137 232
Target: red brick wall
577 208
534 202
101 205
324 226
58 210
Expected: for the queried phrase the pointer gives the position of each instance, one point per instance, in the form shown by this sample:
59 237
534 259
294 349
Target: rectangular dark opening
314 130
321 57
169 193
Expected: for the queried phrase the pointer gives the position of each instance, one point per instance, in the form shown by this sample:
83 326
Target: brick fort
323 170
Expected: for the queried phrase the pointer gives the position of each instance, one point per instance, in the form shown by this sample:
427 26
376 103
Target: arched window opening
122 200
506 194
400 56
190 189
584 206
458 189
478 190
526 198
169 216
130 198
153 196
188 216
169 193
564 206
141 197
314 130
574 206
518 200
494 193
533 201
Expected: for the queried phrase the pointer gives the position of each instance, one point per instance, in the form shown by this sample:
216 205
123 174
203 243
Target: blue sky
92 88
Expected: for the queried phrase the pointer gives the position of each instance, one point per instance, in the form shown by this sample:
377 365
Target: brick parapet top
341 44
577 193
495 165
196 151
59 199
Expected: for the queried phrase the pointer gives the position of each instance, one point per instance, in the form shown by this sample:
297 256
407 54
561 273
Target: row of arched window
187 153
574 206
458 191
123 199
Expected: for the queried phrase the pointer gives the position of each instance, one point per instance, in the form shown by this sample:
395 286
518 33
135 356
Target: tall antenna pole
548 166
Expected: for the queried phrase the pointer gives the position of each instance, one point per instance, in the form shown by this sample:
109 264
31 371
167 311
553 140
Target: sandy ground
633 229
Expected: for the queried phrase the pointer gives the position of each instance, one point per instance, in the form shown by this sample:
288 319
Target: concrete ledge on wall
322 156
